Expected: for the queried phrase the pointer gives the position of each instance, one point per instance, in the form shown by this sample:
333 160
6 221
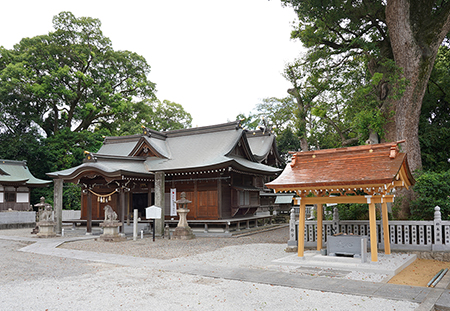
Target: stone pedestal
183 231
111 232
46 229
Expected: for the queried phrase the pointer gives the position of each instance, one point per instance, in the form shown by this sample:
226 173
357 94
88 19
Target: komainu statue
110 215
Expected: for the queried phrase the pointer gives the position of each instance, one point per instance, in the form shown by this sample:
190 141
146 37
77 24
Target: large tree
61 92
70 78
387 37
156 115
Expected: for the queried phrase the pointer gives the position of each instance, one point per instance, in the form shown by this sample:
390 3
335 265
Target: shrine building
15 183
221 168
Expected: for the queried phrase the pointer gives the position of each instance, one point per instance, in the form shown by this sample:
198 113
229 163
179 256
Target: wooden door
207 204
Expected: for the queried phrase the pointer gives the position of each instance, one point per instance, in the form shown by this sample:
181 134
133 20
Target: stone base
112 238
291 249
183 233
111 232
46 229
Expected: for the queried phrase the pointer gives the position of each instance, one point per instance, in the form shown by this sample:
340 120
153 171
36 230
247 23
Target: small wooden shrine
363 174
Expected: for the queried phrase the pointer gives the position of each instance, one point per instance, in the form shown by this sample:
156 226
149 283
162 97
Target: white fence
433 235
71 214
21 217
17 217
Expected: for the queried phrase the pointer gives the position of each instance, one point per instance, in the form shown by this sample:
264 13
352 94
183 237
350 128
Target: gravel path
168 249
31 281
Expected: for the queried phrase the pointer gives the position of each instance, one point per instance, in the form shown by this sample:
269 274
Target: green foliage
434 125
287 141
432 189
353 211
368 99
66 149
157 115
71 196
70 78
280 113
350 64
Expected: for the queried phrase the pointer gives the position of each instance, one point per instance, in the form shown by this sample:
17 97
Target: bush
355 212
431 188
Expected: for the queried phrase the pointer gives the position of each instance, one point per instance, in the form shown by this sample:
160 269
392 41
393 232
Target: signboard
173 205
153 212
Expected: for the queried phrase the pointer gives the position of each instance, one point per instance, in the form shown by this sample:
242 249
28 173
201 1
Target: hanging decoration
103 198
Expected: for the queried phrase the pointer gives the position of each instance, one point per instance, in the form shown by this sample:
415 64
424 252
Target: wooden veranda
363 174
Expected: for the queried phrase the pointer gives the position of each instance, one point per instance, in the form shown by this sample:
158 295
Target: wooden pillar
319 212
301 228
160 193
89 213
149 197
122 209
219 197
387 241
58 202
373 230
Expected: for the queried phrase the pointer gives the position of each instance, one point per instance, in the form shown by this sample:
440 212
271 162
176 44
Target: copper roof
372 168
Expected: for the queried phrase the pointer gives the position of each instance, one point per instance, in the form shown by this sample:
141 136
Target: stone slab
443 303
383 266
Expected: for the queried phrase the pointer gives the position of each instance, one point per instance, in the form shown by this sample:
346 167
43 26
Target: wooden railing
433 235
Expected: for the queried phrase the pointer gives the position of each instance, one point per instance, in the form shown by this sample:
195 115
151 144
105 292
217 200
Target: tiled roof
180 150
374 166
17 172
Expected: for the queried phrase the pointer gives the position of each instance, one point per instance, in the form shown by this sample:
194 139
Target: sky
216 58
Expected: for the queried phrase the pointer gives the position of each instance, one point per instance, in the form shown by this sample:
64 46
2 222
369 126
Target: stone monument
111 226
45 224
183 231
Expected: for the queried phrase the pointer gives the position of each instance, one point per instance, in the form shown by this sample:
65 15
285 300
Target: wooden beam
319 226
335 188
373 230
345 199
301 229
387 241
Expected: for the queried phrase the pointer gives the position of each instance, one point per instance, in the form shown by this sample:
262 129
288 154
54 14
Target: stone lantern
183 231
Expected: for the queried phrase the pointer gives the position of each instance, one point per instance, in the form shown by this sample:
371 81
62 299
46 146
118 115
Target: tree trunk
415 41
415 33
304 144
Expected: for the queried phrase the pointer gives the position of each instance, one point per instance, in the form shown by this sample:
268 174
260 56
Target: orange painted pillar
373 230
319 212
301 228
387 241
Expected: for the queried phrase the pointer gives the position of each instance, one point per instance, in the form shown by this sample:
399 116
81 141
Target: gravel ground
168 249
37 282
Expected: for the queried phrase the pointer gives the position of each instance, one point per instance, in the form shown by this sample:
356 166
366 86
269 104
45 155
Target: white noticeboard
153 212
173 205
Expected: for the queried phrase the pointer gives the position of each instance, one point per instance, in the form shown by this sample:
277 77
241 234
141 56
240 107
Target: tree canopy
62 92
70 78
385 51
